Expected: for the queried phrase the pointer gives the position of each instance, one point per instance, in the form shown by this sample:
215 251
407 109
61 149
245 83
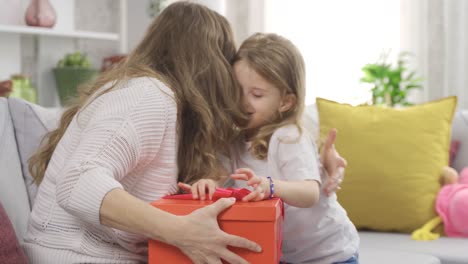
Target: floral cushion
10 250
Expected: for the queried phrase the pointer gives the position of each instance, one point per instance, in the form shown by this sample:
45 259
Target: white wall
13 13
37 55
139 20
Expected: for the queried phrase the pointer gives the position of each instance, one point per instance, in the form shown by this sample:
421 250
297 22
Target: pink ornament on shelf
40 13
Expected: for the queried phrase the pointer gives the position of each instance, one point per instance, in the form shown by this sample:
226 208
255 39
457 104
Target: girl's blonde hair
190 48
278 61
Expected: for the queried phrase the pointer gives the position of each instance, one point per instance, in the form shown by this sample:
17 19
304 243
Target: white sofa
22 125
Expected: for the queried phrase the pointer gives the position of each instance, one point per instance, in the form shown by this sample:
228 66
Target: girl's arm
299 193
298 178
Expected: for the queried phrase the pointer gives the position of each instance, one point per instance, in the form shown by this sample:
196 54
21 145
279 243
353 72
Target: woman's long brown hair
279 62
190 48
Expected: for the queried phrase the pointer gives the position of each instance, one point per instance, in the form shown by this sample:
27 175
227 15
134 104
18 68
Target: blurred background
352 48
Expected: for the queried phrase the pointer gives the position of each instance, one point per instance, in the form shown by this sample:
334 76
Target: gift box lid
266 210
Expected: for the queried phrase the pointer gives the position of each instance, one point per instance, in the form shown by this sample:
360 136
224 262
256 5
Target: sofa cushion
460 133
383 256
10 249
31 122
310 120
448 250
395 157
13 193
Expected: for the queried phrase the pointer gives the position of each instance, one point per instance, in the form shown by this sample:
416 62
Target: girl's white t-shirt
320 234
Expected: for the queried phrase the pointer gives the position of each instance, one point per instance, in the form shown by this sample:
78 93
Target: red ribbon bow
237 193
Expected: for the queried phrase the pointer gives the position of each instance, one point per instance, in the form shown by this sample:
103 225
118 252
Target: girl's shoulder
288 132
291 135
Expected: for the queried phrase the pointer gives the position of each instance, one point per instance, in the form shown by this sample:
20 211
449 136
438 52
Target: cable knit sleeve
123 130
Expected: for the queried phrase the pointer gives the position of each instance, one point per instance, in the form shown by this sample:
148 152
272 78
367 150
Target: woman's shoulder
137 91
142 94
146 85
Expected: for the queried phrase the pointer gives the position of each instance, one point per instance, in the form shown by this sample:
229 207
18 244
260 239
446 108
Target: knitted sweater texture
125 138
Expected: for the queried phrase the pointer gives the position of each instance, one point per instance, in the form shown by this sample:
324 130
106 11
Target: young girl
284 157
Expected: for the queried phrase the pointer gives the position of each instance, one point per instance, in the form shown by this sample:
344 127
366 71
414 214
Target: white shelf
52 32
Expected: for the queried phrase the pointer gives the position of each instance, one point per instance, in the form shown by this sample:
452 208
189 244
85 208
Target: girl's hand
200 238
261 186
333 163
200 188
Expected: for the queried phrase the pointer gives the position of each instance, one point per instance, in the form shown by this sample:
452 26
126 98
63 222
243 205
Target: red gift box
260 222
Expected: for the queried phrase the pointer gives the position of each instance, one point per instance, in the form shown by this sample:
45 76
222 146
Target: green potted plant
71 71
391 83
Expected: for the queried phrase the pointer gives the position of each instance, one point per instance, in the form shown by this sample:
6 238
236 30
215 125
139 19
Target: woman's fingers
217 207
240 242
204 242
230 257
214 260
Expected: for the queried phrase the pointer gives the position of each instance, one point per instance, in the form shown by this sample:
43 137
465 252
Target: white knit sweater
126 139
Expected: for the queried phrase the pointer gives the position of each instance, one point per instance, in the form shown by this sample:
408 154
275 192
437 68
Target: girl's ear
288 101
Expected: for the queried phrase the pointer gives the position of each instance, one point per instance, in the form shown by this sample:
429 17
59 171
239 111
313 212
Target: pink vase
40 13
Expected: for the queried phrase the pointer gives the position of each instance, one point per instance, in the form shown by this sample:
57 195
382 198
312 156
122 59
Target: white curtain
436 31
337 38
245 16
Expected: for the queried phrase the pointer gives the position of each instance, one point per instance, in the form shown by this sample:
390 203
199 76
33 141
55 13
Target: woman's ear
287 103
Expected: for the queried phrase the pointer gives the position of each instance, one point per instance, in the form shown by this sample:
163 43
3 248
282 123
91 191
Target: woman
159 117
172 101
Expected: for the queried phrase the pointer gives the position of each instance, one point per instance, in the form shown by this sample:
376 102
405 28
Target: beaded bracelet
272 187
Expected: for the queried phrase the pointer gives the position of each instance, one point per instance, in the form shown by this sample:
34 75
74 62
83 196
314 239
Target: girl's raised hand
333 163
200 188
260 184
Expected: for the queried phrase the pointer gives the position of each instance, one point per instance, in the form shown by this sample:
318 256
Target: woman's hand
200 188
201 239
261 186
333 163
198 234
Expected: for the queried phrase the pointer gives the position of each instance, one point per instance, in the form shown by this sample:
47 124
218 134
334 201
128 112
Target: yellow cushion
394 156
